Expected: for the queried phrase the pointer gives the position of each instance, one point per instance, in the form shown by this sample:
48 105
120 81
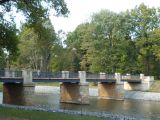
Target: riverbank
21 114
34 113
1 87
138 95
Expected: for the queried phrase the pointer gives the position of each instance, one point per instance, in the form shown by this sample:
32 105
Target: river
48 97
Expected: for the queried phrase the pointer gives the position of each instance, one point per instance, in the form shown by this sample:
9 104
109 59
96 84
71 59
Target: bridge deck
11 80
56 80
101 80
74 80
131 81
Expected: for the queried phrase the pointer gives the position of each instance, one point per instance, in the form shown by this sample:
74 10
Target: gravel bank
138 95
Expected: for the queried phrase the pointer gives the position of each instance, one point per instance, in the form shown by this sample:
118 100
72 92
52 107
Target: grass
1 87
155 86
48 84
16 114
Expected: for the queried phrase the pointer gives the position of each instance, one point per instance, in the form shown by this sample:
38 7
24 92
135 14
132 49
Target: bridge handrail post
118 77
102 75
142 76
7 72
27 76
65 74
82 77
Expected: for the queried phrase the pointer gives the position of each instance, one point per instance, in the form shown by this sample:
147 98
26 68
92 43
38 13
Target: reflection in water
147 109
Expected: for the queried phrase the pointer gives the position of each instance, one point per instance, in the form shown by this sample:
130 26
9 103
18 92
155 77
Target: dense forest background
126 42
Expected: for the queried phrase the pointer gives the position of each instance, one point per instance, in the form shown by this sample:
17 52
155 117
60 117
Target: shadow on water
136 108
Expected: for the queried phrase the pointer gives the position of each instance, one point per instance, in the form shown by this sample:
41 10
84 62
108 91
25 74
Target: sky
81 11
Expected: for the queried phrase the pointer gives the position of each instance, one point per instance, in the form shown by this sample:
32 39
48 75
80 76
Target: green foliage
1 87
35 12
149 53
126 42
8 43
36 46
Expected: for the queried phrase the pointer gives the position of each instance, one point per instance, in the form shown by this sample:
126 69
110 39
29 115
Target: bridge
74 86
64 76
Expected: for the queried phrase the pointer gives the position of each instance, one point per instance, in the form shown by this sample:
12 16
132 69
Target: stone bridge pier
144 85
16 92
111 90
77 93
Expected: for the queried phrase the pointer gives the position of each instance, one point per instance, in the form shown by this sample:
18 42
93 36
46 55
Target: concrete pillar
83 88
82 76
118 78
142 76
65 74
27 77
144 85
111 90
77 93
102 75
16 93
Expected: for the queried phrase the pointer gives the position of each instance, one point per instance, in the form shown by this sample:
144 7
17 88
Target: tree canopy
126 42
34 11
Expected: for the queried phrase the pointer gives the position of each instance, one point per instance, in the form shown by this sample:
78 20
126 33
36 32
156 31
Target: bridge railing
73 75
100 76
37 74
131 77
2 73
92 76
18 73
10 73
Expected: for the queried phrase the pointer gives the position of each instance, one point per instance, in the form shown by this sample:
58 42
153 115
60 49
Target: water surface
136 108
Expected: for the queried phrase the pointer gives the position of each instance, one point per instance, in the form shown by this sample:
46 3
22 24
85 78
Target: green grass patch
48 83
155 86
1 87
16 114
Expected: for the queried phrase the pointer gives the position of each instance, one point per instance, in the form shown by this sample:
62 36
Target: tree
36 49
145 20
78 43
149 53
35 11
8 43
102 43
112 38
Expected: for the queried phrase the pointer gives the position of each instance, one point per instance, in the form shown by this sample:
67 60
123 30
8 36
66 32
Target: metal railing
2 73
131 77
100 76
92 76
39 74
73 75
46 74
10 73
